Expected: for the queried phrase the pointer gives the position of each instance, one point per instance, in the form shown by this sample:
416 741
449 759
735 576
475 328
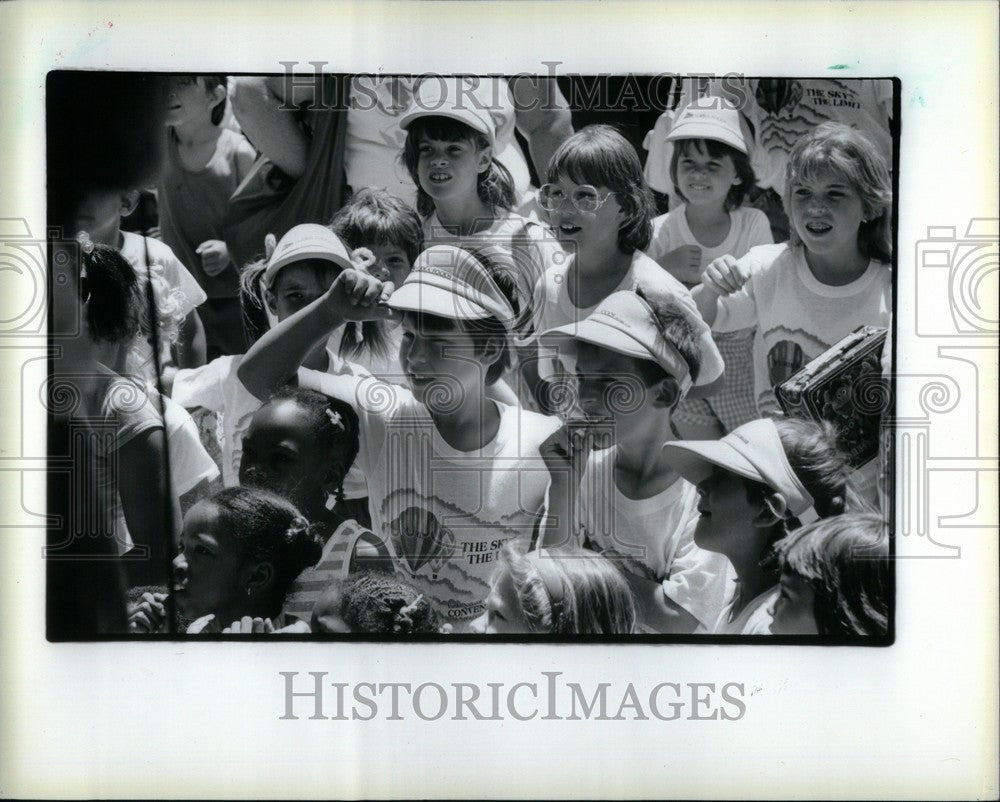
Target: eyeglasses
585 198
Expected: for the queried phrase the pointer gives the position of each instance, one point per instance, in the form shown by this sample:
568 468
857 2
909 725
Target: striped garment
334 564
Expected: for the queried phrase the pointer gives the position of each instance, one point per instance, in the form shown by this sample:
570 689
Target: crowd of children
507 410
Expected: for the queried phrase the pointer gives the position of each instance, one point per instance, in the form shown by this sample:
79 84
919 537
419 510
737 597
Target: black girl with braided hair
300 444
241 550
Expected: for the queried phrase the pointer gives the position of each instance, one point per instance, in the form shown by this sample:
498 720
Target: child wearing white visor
301 267
635 356
452 474
759 482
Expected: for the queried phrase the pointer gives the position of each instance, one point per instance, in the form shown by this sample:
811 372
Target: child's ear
218 93
259 577
334 479
484 159
492 349
774 510
667 393
271 301
129 200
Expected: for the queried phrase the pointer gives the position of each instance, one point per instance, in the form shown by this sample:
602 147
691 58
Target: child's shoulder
764 258
646 272
232 140
137 249
222 368
532 427
748 216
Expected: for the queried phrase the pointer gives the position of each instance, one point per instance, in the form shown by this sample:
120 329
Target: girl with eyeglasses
600 208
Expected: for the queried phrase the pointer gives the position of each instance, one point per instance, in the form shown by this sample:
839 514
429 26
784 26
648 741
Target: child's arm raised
276 356
565 453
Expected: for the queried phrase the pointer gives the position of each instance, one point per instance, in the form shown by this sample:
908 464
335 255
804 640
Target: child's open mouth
439 178
818 228
699 187
567 228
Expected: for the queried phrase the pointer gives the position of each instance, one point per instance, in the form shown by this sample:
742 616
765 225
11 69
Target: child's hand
363 259
199 625
725 275
214 256
566 451
355 295
298 628
147 614
684 263
250 626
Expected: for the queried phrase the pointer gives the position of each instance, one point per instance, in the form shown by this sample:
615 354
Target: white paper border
916 720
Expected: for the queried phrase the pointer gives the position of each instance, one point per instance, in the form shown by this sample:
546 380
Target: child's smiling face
827 213
441 360
450 170
705 179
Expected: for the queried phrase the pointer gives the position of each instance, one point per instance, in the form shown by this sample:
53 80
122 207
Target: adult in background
533 106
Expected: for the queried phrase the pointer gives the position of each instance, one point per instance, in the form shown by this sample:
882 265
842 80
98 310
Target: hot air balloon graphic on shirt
775 94
419 539
784 360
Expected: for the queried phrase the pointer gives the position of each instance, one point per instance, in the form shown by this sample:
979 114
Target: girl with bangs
466 196
833 275
600 209
711 172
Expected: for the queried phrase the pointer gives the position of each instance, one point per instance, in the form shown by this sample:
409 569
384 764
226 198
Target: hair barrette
335 419
83 239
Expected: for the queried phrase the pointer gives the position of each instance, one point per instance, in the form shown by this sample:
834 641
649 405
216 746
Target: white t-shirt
754 619
190 463
136 249
375 140
748 228
444 514
658 532
217 388
177 276
552 307
780 118
797 317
